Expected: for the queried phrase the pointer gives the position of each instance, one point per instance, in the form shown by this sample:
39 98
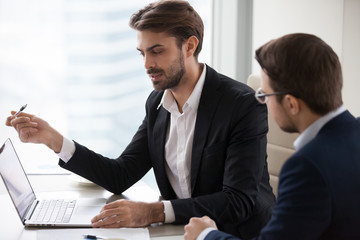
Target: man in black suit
204 135
319 186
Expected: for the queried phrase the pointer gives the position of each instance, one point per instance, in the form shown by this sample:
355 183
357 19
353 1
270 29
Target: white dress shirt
178 144
312 130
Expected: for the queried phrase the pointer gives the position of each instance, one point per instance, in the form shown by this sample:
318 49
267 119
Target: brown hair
306 67
176 17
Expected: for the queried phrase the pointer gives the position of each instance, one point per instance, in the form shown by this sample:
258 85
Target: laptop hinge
31 210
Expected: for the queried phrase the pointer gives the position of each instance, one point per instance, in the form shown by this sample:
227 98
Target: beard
287 125
172 76
289 129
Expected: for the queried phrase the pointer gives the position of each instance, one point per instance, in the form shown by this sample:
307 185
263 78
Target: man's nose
148 62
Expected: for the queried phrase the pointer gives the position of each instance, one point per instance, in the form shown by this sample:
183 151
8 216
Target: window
75 63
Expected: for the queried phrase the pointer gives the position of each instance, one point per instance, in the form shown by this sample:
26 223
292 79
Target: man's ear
292 104
191 45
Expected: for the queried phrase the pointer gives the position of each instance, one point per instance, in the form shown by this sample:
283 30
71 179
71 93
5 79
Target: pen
88 236
92 237
20 110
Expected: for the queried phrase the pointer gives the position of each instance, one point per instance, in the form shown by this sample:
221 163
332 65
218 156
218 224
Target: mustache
154 70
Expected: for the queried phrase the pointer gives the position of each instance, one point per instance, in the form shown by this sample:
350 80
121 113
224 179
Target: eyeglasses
262 97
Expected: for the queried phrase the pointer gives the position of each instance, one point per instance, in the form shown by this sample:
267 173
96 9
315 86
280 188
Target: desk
63 186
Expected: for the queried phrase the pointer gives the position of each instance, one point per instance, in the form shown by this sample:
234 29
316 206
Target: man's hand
35 130
125 213
196 226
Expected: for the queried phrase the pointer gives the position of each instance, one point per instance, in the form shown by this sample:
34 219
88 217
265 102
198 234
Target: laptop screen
15 179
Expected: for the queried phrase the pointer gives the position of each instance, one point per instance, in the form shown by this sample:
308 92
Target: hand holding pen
32 129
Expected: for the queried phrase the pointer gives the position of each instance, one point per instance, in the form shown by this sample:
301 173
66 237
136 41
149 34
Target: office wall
351 55
335 21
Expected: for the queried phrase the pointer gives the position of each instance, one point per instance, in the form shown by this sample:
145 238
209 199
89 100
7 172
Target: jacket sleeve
219 235
303 206
115 175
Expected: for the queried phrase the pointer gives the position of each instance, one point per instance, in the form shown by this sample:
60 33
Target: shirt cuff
169 212
67 150
205 232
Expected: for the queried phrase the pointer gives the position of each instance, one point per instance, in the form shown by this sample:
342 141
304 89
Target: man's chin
157 87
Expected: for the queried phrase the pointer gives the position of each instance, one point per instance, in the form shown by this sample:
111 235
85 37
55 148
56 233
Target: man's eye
156 52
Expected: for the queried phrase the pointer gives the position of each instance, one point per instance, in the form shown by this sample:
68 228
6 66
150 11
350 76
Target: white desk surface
64 186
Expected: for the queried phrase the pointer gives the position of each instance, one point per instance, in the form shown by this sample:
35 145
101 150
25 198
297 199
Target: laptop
42 212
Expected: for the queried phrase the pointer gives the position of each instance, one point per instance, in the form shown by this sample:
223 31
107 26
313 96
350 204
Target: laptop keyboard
54 211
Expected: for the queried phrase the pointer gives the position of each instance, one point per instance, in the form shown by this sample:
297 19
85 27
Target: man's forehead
148 39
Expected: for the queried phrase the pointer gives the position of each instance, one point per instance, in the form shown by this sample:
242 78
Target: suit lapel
207 107
160 129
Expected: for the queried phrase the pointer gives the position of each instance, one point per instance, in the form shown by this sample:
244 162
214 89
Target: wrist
55 141
156 214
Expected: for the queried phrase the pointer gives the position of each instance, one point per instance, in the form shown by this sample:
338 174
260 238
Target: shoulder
225 83
227 90
232 103
336 139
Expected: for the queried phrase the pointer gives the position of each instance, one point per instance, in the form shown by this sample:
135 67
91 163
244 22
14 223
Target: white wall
351 55
337 22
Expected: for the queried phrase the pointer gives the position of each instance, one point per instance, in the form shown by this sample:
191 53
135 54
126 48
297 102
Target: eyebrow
151 48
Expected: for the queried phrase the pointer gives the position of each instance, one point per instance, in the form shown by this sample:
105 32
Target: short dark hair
176 17
306 67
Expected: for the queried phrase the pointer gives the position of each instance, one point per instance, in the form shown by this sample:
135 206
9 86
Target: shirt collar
168 100
311 131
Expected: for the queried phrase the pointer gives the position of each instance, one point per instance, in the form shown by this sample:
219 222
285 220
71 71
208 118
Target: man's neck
187 84
314 126
303 117
306 120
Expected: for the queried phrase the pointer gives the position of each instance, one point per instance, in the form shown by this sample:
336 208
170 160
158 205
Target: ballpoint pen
99 237
20 110
92 237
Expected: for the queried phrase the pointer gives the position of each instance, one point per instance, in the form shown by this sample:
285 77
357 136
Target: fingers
8 119
23 122
196 226
115 204
111 215
105 214
21 114
190 229
12 120
111 221
123 213
24 126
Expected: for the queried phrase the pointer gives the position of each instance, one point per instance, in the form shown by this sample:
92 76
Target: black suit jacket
229 176
319 188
